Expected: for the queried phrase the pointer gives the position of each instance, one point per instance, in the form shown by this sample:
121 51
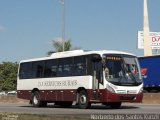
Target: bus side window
50 68
60 70
79 66
25 71
54 70
65 67
37 69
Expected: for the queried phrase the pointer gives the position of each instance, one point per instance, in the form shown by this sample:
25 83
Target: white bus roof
76 53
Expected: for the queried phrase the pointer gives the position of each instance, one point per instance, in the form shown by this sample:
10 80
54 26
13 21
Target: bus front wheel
83 100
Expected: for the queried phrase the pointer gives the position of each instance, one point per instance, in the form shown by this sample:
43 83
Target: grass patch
19 116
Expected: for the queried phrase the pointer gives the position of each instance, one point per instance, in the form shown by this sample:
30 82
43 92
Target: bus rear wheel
36 101
83 100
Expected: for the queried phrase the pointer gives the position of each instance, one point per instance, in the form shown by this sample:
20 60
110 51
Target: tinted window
54 68
65 67
25 71
50 68
80 65
37 69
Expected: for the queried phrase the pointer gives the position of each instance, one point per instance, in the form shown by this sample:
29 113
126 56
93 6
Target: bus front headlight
109 88
141 90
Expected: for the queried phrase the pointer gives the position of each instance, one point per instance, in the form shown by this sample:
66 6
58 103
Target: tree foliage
8 76
58 45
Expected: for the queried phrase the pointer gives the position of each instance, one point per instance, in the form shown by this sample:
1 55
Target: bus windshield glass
122 70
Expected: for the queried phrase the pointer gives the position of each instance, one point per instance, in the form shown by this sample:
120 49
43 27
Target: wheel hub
83 99
35 100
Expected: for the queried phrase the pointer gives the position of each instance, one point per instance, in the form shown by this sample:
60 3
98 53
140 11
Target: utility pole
147 41
63 23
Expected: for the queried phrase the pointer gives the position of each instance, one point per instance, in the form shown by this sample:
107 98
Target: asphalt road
127 108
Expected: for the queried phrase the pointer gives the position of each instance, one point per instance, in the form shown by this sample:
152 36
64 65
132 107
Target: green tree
8 76
58 45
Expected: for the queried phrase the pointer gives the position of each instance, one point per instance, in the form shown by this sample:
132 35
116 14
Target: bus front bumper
114 97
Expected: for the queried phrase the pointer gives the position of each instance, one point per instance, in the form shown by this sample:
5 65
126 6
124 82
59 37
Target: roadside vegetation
8 76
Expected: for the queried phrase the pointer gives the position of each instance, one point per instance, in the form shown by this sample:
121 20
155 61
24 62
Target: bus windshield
122 70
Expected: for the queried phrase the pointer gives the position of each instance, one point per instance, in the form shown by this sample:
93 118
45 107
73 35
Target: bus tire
83 100
36 100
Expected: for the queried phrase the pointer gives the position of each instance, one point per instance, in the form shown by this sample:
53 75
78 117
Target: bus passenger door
97 79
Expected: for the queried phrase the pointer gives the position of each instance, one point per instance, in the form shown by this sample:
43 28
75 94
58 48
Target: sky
27 27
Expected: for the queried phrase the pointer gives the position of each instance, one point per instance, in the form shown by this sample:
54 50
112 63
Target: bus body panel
56 83
70 95
54 88
123 93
